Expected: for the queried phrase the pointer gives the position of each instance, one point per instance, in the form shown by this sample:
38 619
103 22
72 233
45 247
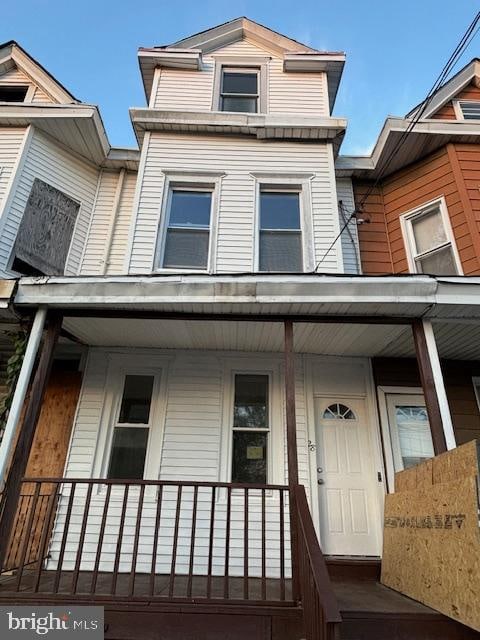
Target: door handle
319 470
321 481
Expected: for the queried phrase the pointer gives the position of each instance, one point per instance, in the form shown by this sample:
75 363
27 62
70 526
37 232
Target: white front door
347 477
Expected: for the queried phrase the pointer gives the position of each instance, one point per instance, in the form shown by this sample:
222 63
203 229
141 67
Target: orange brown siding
447 112
440 174
373 239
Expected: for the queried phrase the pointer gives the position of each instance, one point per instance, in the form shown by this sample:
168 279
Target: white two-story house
210 284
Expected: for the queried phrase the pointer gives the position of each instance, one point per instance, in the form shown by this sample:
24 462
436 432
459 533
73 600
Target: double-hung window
280 233
131 428
251 428
187 234
430 243
239 90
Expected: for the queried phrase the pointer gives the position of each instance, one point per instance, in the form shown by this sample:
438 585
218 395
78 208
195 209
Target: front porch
228 527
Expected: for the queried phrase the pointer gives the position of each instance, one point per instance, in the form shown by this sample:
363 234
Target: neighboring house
230 344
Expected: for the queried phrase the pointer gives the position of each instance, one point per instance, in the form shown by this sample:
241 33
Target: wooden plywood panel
47 459
432 536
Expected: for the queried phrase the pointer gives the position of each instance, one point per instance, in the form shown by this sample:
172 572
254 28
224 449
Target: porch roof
411 296
336 315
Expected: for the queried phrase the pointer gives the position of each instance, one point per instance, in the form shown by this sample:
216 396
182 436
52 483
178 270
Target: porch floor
181 588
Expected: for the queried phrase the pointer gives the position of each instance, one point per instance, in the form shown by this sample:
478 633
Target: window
338 411
470 109
413 432
187 236
239 90
13 93
429 240
251 424
280 241
131 429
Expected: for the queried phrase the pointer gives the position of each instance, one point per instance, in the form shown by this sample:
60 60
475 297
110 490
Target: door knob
319 470
321 481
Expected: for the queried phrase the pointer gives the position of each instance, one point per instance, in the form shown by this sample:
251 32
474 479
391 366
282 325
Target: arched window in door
338 411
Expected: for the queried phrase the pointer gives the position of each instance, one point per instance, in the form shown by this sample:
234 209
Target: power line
459 50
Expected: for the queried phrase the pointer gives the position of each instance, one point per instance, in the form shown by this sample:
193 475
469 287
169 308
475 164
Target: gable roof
449 90
12 56
187 53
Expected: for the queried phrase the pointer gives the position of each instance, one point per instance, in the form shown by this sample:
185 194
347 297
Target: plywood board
432 536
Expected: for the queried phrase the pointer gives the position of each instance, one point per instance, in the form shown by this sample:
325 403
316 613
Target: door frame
382 392
374 434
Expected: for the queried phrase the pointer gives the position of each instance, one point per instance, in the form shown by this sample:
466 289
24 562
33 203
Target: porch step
371 611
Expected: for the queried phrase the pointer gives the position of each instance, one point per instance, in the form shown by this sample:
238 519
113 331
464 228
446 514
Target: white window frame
276 445
186 181
406 220
459 111
120 365
290 183
245 64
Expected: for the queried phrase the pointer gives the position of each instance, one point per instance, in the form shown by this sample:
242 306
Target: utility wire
459 50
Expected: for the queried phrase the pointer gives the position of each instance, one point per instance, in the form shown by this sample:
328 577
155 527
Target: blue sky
394 50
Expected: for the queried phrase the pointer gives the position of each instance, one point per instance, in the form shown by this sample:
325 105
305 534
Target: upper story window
239 90
187 234
470 109
280 234
429 241
13 93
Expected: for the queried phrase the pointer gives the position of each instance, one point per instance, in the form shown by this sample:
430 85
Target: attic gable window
470 109
239 90
13 93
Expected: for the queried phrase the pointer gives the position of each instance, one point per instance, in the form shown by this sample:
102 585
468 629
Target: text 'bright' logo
55 622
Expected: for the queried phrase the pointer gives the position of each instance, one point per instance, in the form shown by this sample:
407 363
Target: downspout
115 208
21 389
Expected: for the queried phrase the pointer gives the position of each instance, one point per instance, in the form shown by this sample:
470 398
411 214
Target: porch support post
23 447
21 389
431 376
292 458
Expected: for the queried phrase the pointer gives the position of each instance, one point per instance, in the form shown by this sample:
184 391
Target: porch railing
143 540
320 609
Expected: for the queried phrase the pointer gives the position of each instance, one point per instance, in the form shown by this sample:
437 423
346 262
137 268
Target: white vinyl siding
10 144
293 93
16 77
118 249
108 224
194 421
238 158
54 165
350 248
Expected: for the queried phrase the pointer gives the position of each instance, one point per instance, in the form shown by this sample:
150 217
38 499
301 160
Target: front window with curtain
131 429
251 427
431 243
280 241
187 236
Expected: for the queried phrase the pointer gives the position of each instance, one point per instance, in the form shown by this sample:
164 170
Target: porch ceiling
454 340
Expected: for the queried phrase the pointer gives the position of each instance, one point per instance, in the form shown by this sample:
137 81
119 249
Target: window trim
298 183
459 111
409 237
120 365
246 63
188 181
